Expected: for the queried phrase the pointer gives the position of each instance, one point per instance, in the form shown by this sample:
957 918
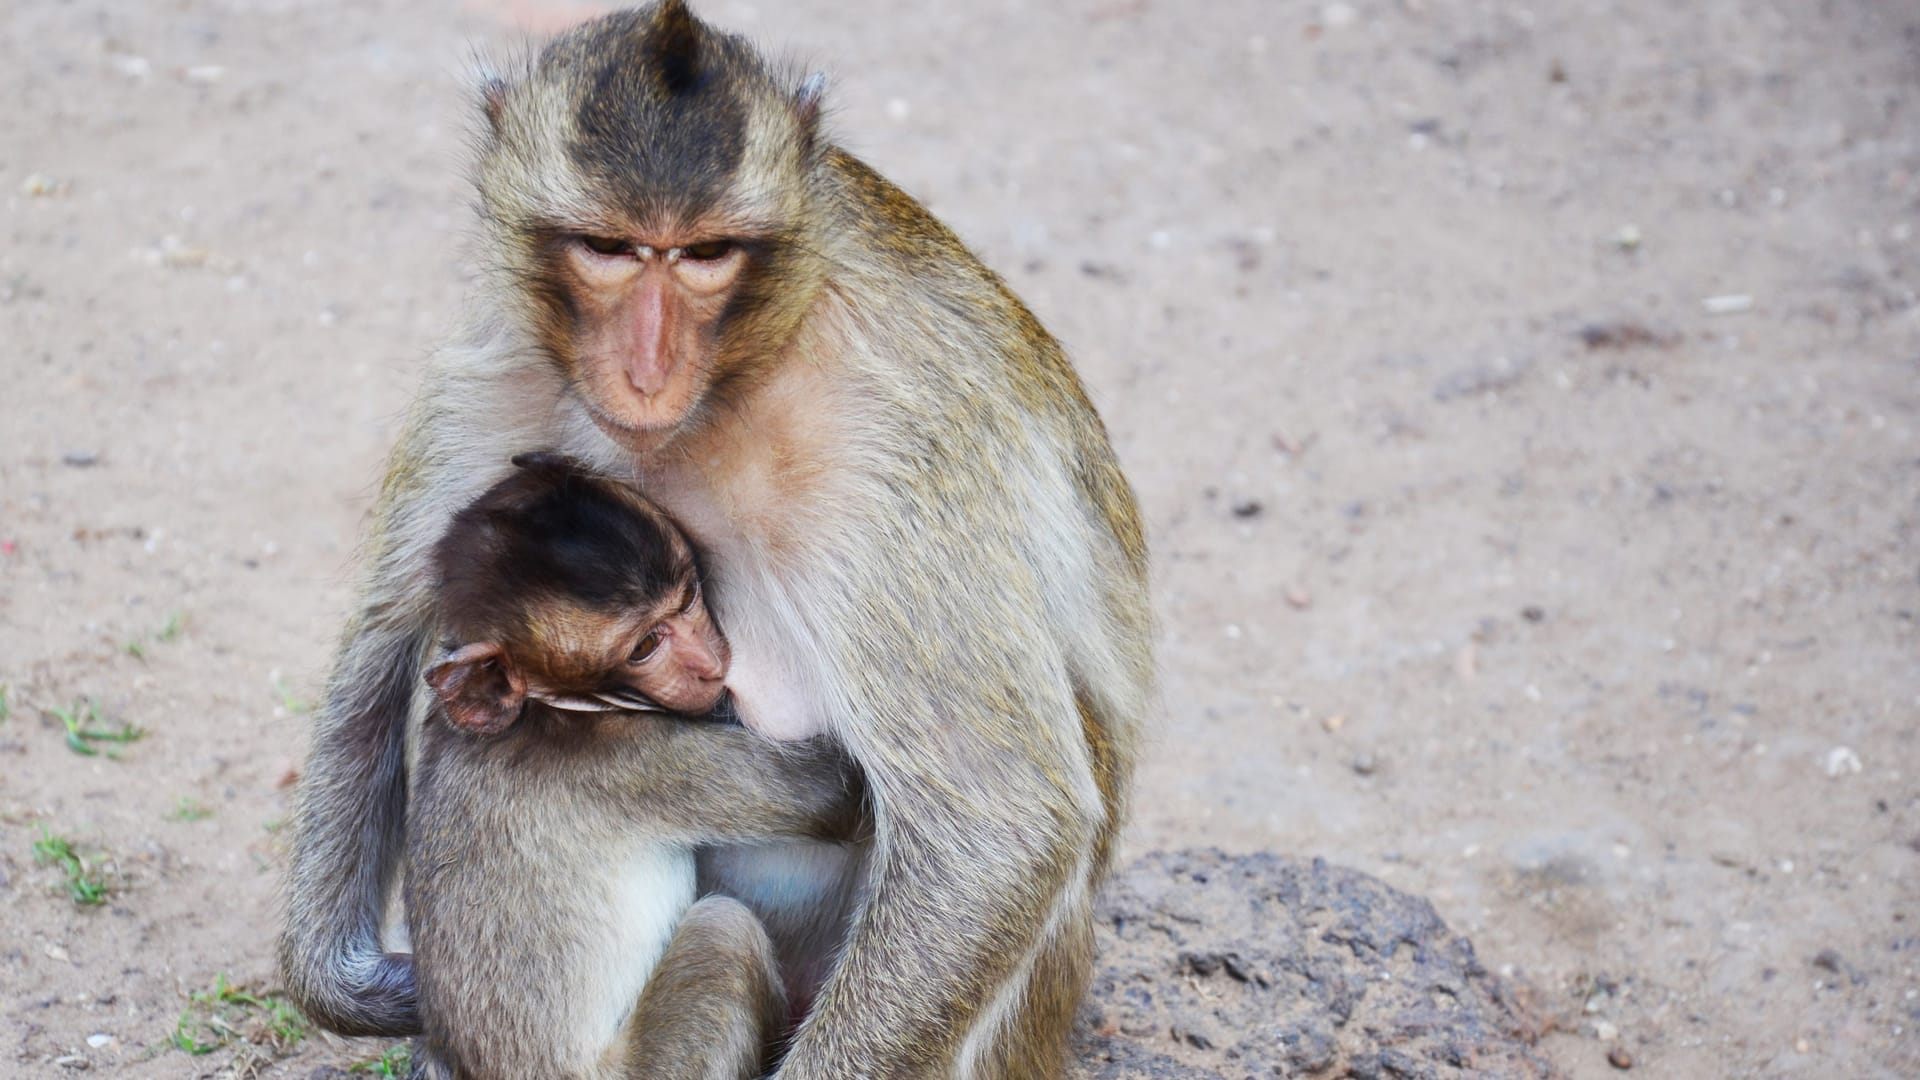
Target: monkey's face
649 187
647 326
679 659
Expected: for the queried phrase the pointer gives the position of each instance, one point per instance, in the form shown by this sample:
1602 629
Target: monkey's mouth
640 424
724 712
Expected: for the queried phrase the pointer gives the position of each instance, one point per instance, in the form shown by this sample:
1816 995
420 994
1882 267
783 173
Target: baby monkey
574 593
563 784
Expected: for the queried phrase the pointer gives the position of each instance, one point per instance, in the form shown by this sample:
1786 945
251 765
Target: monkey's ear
479 688
493 101
807 101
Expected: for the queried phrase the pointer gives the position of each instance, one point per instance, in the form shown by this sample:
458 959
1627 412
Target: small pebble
99 1040
1333 723
1605 1031
1801 1046
57 952
73 1061
1841 760
205 73
1365 765
80 459
1298 598
1619 1058
1466 662
1533 613
1628 238
1247 508
176 254
40 185
1730 304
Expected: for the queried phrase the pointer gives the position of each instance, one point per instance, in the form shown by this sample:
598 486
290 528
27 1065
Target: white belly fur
646 898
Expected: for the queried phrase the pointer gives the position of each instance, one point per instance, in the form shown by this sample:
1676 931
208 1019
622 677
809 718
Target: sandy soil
1489 560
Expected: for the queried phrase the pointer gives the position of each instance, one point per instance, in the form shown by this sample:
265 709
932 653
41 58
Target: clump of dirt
1216 965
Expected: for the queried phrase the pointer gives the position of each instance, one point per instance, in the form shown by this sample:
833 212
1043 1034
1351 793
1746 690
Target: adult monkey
915 528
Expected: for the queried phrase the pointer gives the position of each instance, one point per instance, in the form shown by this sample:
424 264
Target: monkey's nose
702 662
650 359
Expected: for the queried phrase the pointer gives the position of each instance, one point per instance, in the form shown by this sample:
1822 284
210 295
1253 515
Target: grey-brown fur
910 513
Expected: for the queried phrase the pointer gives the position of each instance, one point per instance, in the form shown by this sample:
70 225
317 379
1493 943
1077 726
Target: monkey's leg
1032 1040
714 1006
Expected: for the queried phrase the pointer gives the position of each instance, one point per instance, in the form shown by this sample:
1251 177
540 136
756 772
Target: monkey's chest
779 675
761 590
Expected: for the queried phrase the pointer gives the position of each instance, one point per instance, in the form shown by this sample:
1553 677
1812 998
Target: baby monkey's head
569 589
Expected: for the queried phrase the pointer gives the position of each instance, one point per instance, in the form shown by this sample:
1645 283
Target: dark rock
1219 967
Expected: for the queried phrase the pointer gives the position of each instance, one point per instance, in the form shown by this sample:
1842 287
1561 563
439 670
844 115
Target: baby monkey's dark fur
549 865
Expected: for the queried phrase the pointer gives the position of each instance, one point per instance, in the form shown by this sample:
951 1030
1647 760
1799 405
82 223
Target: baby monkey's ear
479 688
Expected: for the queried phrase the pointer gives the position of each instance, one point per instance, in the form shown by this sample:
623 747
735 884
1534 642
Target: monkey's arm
985 822
349 828
351 817
703 782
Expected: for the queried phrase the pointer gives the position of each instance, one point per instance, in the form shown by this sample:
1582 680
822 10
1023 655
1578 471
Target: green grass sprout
227 1014
85 885
81 722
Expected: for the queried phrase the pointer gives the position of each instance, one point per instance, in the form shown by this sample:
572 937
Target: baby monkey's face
664 655
675 655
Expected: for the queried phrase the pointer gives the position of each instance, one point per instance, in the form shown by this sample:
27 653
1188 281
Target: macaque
911 520
559 799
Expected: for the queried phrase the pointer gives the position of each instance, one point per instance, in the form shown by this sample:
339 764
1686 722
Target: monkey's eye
693 598
605 245
707 251
646 648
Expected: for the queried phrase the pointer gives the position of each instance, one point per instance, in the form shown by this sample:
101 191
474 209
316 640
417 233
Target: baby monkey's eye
605 245
708 251
646 648
693 598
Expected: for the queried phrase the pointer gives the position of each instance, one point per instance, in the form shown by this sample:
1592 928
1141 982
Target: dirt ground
1523 402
